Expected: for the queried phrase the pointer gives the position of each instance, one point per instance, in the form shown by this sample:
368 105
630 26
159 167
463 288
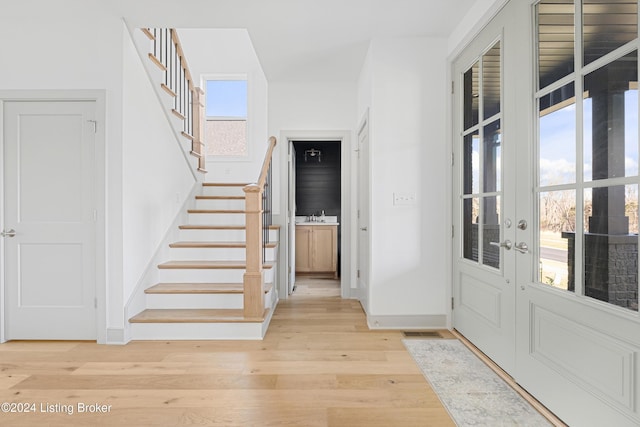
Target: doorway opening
317 207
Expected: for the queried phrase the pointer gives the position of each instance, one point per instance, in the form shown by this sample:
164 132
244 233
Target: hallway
318 365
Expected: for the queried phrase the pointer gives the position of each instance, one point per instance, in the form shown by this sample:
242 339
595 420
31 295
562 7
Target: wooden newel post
253 278
198 125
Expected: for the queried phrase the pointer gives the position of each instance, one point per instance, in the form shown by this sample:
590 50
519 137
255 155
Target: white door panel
48 187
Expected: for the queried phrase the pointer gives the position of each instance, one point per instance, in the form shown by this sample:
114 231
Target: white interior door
49 220
362 271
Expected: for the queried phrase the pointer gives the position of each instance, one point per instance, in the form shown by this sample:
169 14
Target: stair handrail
256 206
168 54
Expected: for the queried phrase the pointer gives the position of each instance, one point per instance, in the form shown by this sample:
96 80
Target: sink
317 223
328 220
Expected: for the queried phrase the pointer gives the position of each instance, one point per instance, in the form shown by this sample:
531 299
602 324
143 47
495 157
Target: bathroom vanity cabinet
317 248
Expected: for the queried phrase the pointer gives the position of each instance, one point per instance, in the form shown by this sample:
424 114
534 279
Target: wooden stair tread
221 315
205 264
220 197
196 244
200 288
216 211
219 227
225 184
148 33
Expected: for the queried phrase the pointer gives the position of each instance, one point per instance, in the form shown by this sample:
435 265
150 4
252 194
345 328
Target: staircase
201 293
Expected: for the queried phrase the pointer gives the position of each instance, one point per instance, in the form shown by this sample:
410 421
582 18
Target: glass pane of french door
482 160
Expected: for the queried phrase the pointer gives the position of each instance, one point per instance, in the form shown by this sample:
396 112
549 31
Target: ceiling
305 39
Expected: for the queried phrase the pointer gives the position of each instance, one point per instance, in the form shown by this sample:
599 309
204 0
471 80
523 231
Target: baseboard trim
426 321
116 336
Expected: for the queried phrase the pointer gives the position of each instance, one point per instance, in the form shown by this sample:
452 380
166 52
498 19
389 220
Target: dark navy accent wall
318 181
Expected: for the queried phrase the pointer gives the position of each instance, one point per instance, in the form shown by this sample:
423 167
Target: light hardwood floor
319 365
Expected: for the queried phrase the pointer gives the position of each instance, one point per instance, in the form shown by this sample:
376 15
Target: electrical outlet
404 199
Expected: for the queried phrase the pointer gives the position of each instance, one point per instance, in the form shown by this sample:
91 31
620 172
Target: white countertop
328 220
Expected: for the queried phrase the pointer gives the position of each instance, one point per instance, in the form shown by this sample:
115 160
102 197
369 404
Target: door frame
347 273
362 186
99 97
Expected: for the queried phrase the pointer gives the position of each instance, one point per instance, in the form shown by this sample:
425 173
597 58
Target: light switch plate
404 199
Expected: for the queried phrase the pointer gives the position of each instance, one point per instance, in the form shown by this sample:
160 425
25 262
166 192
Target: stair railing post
198 111
254 275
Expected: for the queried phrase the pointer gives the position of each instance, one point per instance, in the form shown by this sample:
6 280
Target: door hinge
453 159
452 304
452 87
358 274
453 231
95 125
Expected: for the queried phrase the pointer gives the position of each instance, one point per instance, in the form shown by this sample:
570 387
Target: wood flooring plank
144 382
383 417
319 365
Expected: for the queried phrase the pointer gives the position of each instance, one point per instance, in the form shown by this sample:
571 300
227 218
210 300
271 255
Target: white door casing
291 212
363 215
49 200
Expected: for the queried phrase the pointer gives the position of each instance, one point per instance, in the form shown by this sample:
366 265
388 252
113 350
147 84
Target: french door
485 156
546 203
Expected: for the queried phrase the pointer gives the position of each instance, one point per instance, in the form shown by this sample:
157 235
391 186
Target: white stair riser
191 235
220 235
215 254
200 301
207 275
222 191
219 204
216 218
198 331
194 301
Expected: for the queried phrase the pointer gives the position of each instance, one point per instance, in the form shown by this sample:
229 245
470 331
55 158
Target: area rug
472 393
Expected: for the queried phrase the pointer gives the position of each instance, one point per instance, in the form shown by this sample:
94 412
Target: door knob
522 248
10 233
363 228
506 244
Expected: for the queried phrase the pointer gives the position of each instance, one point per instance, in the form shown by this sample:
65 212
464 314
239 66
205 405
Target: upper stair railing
258 220
167 54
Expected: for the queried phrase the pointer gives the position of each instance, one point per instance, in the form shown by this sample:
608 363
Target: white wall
225 52
74 44
407 84
157 178
311 109
307 106
78 44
